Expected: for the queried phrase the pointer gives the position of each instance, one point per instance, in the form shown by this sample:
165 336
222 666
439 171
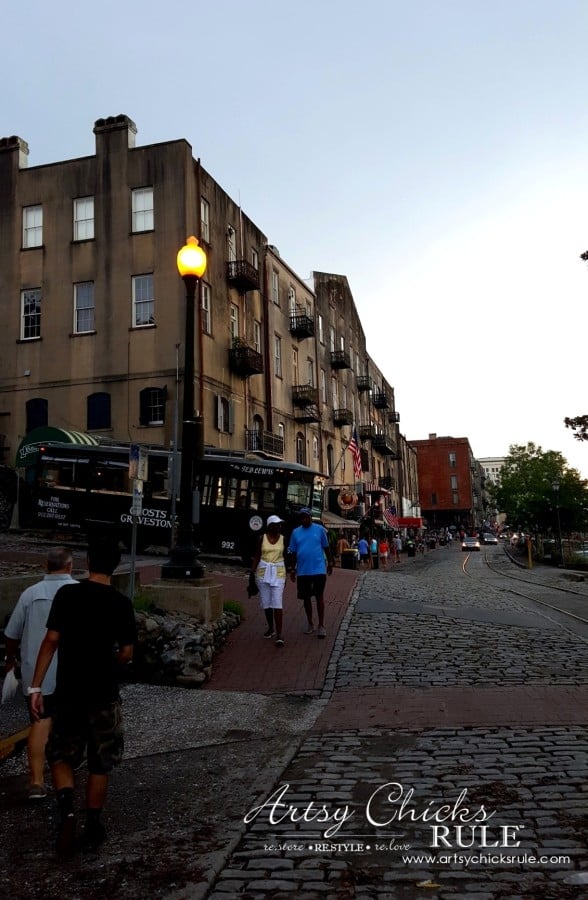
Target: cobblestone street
372 808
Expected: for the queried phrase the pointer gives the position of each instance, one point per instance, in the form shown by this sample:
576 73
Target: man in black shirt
93 625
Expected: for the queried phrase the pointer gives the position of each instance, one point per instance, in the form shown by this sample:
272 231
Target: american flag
353 445
391 516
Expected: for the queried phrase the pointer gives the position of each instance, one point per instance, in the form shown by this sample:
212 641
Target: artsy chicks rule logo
457 823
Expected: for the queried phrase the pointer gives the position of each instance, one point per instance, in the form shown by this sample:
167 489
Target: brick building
451 483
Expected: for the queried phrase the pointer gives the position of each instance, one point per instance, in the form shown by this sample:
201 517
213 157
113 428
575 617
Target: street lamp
555 485
183 557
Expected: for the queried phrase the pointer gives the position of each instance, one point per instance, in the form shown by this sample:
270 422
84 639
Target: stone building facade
94 319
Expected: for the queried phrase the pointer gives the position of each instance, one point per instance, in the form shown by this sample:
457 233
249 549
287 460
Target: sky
433 151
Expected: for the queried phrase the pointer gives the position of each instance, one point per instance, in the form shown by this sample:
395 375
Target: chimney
15 145
432 437
115 132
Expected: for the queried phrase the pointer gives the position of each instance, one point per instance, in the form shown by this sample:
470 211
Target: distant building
451 483
492 466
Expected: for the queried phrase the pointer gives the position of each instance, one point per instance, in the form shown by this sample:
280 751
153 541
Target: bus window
110 481
57 475
158 475
299 493
212 494
262 495
237 493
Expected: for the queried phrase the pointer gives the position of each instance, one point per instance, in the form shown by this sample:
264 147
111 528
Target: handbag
10 686
252 589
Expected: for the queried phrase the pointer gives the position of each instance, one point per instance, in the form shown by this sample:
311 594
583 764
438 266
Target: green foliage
233 606
579 425
527 496
142 602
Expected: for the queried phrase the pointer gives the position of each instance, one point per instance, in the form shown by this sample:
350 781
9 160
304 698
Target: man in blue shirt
311 562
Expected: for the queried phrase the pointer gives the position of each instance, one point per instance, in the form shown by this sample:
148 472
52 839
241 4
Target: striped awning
28 449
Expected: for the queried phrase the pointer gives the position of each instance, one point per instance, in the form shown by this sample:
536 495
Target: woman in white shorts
270 576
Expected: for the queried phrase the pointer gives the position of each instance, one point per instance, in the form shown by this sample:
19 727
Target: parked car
488 538
470 543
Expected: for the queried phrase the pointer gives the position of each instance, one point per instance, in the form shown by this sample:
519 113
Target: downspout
266 343
200 409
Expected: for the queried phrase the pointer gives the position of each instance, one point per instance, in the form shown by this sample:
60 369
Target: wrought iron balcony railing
393 418
363 382
342 417
242 275
301 325
340 359
305 395
380 400
366 432
244 360
386 481
265 442
384 445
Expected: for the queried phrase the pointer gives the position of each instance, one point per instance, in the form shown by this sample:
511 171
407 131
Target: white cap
274 520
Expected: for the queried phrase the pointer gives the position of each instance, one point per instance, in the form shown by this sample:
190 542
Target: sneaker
309 630
321 632
92 836
37 792
279 642
66 837
269 633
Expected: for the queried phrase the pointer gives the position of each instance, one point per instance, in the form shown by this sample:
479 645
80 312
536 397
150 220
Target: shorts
364 557
99 733
48 707
310 586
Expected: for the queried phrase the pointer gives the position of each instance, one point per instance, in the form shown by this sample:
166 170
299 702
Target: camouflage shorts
99 733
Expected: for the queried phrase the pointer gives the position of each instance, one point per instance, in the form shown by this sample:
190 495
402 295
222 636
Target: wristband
33 690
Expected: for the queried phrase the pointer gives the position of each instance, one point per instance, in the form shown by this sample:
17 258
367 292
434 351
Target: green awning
28 450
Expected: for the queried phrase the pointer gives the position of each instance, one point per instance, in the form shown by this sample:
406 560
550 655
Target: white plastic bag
10 686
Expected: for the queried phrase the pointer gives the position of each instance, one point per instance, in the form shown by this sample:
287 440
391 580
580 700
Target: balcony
244 360
363 382
242 275
307 414
305 395
301 326
342 417
386 482
380 400
265 442
384 445
393 418
366 432
340 359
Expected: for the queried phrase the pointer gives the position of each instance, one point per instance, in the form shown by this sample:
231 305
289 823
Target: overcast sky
435 153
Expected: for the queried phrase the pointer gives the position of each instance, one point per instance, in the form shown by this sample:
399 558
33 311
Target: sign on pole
137 463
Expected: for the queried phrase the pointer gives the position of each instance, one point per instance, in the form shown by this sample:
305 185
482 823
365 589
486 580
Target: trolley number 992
228 545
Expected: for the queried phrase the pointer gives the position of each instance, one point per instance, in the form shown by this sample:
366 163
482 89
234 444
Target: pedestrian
342 545
397 549
374 552
364 553
269 566
27 628
92 626
383 549
309 565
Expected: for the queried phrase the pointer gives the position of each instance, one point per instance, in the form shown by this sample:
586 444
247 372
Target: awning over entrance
27 453
332 521
410 522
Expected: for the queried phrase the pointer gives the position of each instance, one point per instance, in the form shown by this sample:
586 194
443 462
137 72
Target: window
433 499
452 460
205 220
454 482
234 322
342 342
332 338
281 430
224 415
300 449
205 306
83 219
257 336
321 334
98 411
295 366
255 259
278 356
231 244
455 497
142 208
275 288
291 299
37 413
334 393
323 386
143 301
30 326
351 358
83 307
315 453
344 396
152 406
32 226
310 372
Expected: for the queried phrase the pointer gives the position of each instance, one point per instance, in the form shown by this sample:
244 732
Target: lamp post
183 561
555 485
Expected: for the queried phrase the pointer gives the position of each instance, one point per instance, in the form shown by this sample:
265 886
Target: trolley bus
68 487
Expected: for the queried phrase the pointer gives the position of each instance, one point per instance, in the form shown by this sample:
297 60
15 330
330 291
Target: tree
579 425
526 494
